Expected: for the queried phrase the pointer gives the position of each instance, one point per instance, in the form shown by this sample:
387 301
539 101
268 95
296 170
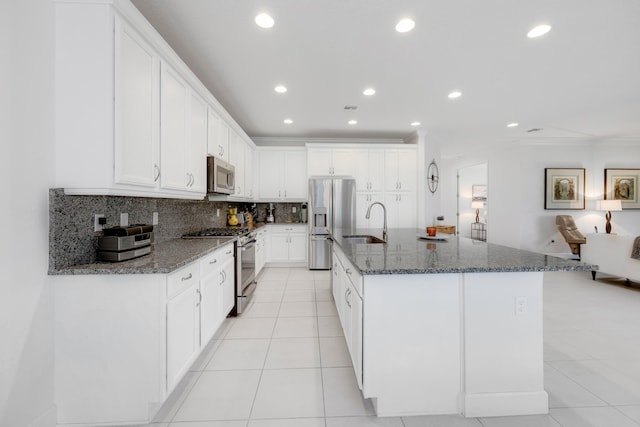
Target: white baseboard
505 404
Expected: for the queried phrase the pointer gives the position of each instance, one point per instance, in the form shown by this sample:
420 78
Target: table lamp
608 206
477 205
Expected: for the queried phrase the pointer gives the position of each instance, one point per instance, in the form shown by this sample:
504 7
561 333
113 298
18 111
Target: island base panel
411 344
506 404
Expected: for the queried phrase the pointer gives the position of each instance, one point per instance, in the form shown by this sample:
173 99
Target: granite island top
164 258
405 253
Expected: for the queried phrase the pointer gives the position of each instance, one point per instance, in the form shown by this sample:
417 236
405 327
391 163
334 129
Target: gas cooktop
219 232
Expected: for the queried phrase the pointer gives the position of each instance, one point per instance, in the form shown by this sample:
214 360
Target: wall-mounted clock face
433 176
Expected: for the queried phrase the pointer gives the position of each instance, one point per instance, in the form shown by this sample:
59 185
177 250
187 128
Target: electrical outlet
124 219
154 220
294 209
521 305
97 224
218 212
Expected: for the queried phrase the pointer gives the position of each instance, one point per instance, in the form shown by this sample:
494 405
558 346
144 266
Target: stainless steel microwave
220 176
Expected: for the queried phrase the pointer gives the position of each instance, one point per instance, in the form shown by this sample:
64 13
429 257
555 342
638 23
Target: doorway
472 202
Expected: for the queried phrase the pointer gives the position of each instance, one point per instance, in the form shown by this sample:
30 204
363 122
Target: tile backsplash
72 240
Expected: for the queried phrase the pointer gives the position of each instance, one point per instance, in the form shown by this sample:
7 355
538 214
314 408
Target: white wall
537 227
26 294
517 216
431 201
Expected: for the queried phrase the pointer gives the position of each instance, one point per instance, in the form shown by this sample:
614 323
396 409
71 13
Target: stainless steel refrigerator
332 207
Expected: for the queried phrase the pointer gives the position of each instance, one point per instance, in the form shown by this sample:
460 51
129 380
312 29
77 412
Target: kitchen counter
164 258
444 327
404 253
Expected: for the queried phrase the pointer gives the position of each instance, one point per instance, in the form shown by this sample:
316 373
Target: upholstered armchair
567 227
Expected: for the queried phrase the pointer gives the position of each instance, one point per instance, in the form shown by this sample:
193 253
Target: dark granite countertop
164 258
404 253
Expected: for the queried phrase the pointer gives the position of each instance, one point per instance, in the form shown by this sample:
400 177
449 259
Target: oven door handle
248 245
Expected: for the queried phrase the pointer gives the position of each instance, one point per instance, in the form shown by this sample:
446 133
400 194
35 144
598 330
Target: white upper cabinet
131 118
137 83
400 170
236 158
343 162
321 161
217 136
282 174
174 102
183 135
369 170
248 171
196 168
241 157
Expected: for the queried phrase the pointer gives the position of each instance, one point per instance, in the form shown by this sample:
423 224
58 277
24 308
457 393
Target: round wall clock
433 176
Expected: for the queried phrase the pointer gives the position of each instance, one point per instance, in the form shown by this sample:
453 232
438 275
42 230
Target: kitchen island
444 326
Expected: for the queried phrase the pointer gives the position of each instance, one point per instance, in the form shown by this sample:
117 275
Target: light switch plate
124 219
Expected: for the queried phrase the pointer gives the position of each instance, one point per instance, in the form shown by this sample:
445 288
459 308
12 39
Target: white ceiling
581 80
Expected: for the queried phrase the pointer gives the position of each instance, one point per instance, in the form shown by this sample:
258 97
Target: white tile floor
284 363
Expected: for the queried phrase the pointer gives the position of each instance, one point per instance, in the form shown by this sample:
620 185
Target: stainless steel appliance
124 243
332 207
220 176
245 261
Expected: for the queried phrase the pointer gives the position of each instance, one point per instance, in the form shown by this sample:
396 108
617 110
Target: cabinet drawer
182 279
214 260
354 275
355 278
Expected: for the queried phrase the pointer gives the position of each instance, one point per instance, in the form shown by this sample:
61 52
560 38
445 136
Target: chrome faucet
384 229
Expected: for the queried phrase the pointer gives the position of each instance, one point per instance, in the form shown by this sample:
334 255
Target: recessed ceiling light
455 94
280 89
416 124
538 31
288 121
369 91
512 125
263 20
405 25
353 122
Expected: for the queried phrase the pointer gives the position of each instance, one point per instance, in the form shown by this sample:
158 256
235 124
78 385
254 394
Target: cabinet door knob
157 170
213 261
185 278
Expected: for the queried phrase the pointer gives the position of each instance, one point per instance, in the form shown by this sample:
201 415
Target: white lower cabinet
124 341
261 250
288 244
183 323
217 290
347 293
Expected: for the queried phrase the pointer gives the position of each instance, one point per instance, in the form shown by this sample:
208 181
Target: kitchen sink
363 239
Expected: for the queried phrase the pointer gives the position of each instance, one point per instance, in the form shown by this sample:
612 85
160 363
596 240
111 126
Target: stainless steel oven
245 261
246 283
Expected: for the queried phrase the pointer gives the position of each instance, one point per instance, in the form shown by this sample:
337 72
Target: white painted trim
296 141
505 404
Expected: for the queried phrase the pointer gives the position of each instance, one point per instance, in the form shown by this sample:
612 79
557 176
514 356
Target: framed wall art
564 188
622 184
479 193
